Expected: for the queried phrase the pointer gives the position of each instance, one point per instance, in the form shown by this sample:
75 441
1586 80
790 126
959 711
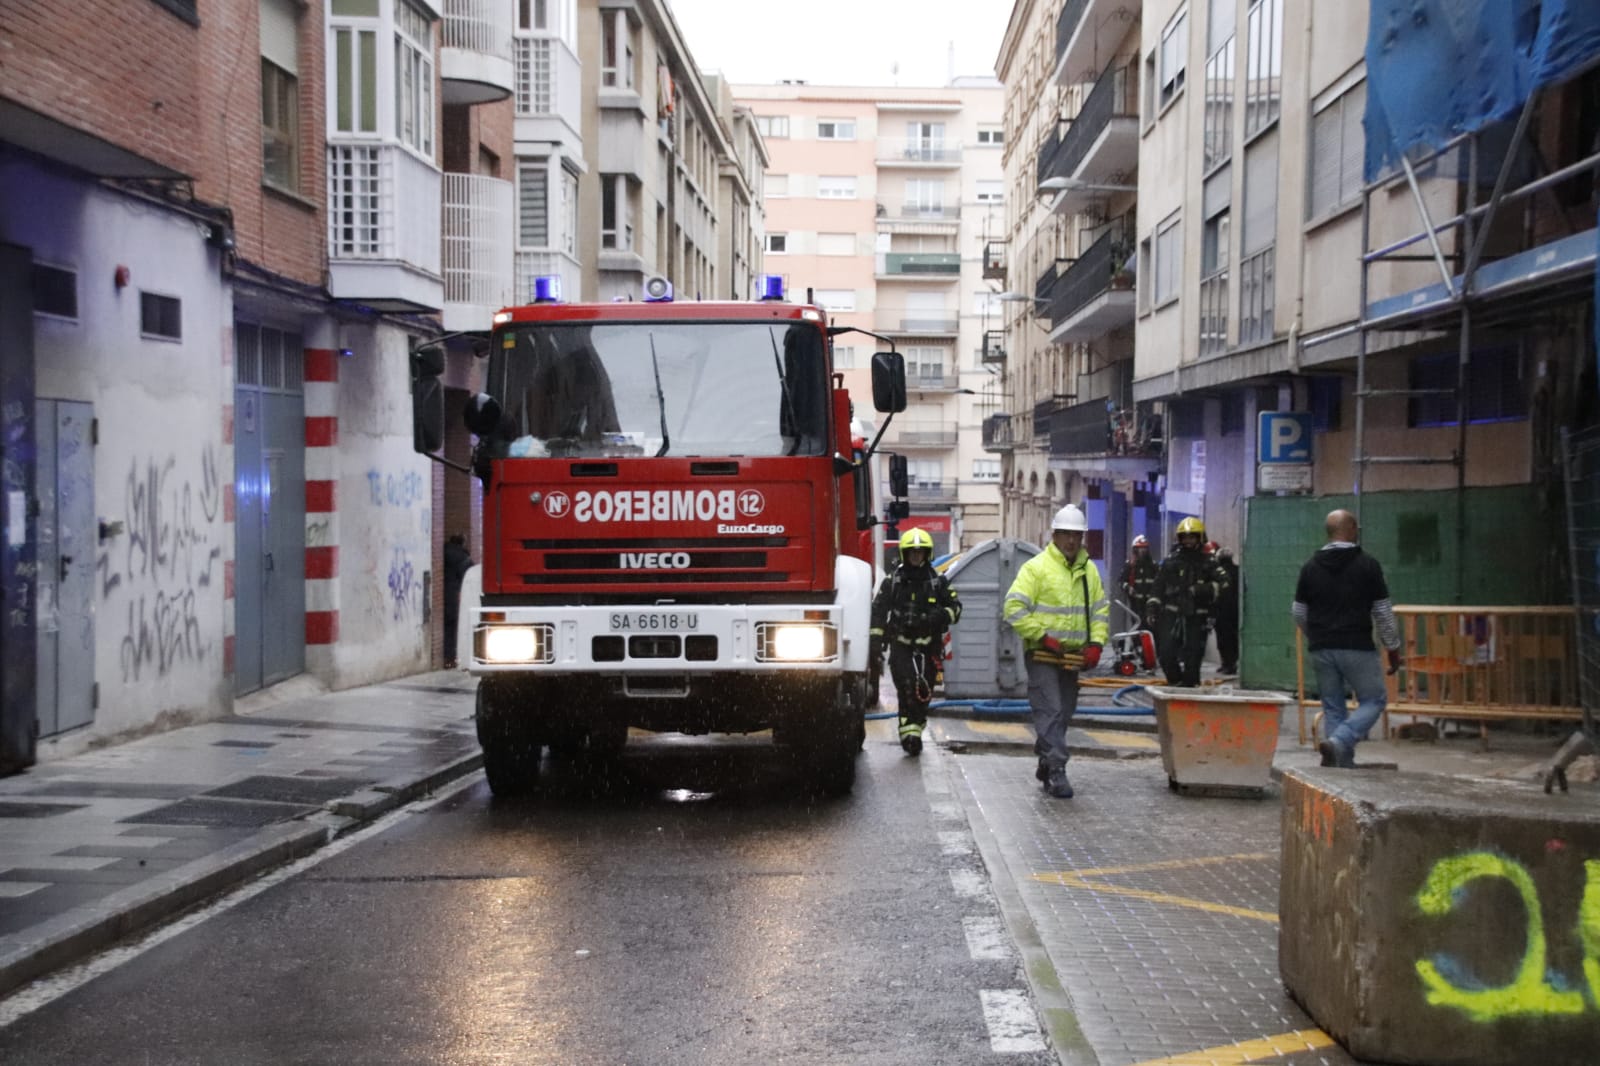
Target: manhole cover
311 791
35 810
217 813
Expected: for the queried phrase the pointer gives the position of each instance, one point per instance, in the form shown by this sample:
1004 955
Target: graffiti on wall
405 585
396 490
1535 991
169 551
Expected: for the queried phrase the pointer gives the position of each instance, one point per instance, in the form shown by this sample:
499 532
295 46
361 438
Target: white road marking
955 842
18 889
1013 1027
968 883
949 810
47 990
986 937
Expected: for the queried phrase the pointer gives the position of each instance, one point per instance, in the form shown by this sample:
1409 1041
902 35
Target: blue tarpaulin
1440 68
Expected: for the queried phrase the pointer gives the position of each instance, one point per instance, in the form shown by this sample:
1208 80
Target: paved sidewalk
103 844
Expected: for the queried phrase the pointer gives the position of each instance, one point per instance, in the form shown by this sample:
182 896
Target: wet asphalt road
687 904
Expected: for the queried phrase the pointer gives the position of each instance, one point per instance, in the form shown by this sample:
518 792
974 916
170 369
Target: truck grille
661 561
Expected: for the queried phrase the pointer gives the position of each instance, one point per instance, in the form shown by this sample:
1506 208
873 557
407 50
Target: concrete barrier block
1443 920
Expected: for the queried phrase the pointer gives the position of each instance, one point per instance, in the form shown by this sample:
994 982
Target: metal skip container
1218 741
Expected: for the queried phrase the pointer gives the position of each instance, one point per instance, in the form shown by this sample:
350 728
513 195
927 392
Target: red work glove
1091 656
1052 645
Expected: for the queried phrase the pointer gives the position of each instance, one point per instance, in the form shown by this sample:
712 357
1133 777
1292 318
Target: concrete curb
70 937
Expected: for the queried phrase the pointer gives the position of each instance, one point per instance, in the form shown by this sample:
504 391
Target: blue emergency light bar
547 289
772 286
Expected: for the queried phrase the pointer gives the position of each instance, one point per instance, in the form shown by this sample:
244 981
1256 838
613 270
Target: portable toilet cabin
986 654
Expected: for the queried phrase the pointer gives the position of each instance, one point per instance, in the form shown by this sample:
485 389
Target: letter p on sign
1285 437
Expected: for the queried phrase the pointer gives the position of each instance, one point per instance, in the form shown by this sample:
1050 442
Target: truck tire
829 742
511 749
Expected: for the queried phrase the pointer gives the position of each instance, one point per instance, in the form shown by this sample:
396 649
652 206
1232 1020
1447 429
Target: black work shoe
1058 785
1336 754
912 744
1043 772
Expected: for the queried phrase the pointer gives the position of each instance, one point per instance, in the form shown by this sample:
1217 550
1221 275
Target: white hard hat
1071 519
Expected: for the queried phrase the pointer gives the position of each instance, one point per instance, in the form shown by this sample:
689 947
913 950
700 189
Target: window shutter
278 42
533 204
1260 195
1354 143
1327 159
1217 192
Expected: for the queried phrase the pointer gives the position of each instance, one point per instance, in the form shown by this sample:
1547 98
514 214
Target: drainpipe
1300 283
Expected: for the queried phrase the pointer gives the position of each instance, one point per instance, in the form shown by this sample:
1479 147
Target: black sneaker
1336 754
1329 756
1042 774
912 744
1058 785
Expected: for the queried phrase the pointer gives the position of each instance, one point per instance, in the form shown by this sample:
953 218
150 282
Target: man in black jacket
1227 624
1340 596
913 608
1179 609
457 561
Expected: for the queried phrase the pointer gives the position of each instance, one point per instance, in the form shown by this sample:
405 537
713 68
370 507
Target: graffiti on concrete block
1534 991
162 631
405 586
395 490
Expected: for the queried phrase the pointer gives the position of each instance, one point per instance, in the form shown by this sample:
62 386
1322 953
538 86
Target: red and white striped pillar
229 530
322 512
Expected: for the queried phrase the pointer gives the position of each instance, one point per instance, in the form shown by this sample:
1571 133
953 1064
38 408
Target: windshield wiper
661 398
783 384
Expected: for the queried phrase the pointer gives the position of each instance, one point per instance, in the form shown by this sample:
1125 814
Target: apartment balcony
537 264
475 62
384 228
998 435
936 379
1100 146
1044 413
1096 293
933 435
549 95
929 493
918 154
943 267
479 274
905 322
1085 31
994 262
1099 437
993 352
914 216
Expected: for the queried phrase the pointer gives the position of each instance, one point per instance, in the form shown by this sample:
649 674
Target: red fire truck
672 529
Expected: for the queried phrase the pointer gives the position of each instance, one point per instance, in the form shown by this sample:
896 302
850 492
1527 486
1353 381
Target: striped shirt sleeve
1388 628
1299 611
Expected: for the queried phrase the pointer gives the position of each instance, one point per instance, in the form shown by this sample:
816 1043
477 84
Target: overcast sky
843 42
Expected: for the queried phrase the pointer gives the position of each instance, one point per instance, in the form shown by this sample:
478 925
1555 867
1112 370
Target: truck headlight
511 644
798 642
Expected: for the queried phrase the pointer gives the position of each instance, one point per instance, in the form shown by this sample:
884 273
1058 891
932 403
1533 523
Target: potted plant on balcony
1123 269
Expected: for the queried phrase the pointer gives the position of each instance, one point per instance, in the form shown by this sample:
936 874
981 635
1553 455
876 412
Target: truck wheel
510 748
829 743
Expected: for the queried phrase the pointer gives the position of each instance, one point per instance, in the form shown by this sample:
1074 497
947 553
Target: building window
991 192
773 125
844 357
777 186
1263 74
835 299
569 211
836 188
355 74
777 244
1174 58
533 15
1167 269
616 213
991 135
413 78
160 316
1257 294
1215 235
1218 137
986 470
353 200
533 203
1495 388
535 79
55 291
617 50
925 366
833 129
280 95
1337 145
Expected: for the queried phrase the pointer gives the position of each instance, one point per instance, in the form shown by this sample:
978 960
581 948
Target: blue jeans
1362 673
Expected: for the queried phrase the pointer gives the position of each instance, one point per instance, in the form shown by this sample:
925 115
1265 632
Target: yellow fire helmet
912 539
1192 525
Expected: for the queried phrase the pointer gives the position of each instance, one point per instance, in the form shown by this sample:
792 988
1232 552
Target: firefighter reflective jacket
914 606
1190 583
1056 598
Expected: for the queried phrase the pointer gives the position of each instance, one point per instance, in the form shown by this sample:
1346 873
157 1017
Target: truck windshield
661 388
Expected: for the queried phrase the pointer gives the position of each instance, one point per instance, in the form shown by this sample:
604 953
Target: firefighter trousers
913 670
1181 645
1053 698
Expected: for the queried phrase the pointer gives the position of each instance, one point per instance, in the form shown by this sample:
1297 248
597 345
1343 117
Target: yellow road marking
1002 729
1122 740
1247 1051
1080 879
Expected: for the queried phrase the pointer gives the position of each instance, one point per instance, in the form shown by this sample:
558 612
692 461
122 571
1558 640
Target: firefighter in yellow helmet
913 608
1058 606
1183 602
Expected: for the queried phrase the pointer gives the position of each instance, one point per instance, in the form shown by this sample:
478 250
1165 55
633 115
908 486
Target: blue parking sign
1285 437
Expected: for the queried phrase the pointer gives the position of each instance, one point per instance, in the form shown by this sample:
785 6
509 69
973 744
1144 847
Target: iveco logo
655 560
751 503
557 504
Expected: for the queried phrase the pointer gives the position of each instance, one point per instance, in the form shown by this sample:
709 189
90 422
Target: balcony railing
384 225
1066 22
919 211
482 26
924 435
919 263
531 265
1044 413
1100 428
478 226
1094 272
928 491
934 380
928 322
994 261
993 351
997 434
475 62
918 150
1115 95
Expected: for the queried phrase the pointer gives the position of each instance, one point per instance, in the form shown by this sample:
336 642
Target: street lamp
1018 297
1064 184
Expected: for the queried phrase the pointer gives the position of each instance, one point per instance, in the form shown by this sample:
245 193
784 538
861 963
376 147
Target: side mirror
889 382
482 416
427 400
899 481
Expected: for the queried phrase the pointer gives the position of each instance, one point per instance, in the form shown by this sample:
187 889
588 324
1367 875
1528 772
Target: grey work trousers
1053 697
